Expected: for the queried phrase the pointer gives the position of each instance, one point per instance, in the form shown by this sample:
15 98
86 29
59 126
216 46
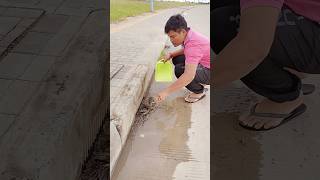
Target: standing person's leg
202 77
270 79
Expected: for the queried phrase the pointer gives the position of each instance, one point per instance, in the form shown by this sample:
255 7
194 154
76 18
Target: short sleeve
193 54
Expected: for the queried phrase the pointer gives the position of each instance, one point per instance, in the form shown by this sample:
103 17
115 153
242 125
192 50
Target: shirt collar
188 37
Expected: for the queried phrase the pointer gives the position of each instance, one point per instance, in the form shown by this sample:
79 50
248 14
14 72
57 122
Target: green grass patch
121 9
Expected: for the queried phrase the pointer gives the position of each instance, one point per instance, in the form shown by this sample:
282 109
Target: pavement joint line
17 79
46 33
16 41
58 6
9 114
12 124
22 7
117 72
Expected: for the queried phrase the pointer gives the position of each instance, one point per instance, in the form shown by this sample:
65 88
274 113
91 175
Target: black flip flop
286 117
308 89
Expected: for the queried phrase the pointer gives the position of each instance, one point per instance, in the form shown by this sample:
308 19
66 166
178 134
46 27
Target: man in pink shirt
267 44
192 63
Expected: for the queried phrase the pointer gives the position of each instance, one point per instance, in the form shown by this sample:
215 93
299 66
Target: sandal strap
269 115
195 98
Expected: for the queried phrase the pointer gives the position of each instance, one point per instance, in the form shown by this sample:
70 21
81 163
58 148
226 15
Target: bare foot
268 106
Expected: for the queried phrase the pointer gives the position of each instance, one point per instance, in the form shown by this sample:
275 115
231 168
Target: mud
147 106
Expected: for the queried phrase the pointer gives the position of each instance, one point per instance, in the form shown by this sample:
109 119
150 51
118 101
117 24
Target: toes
252 122
259 125
245 119
272 123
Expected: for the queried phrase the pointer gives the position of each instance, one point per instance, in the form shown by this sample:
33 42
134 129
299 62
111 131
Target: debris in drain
96 166
147 106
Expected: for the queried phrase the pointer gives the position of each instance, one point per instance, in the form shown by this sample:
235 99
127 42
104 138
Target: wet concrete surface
290 151
172 143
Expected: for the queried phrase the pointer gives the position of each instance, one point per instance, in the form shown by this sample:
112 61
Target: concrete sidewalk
134 49
52 85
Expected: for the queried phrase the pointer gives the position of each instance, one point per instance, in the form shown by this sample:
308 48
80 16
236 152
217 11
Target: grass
121 9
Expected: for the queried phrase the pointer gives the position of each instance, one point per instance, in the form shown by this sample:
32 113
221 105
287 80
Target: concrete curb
123 113
51 137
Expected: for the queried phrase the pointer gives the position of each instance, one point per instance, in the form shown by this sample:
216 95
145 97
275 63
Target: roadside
121 9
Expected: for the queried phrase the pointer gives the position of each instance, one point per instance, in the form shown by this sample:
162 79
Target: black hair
176 23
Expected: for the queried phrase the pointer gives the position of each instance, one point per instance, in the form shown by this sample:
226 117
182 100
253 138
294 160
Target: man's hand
161 97
183 80
167 57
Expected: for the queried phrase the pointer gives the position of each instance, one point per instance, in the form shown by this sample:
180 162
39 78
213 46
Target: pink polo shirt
307 8
197 49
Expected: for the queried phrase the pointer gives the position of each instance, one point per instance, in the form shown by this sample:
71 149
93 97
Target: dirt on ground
96 166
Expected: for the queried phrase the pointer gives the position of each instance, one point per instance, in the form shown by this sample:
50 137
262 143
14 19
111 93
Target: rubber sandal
196 99
286 117
308 89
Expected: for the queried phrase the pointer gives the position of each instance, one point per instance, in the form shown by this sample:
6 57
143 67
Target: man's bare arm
184 79
249 47
176 53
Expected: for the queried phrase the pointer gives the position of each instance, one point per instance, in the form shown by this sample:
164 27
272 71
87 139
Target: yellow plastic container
164 71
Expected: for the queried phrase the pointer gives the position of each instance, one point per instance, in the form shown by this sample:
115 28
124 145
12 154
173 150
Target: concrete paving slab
19 28
7 24
14 65
2 9
4 84
50 23
52 135
48 5
22 12
17 95
2 50
33 43
59 42
5 121
114 69
27 22
73 11
38 69
8 40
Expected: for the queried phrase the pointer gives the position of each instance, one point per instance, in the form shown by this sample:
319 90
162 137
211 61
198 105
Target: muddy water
154 150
